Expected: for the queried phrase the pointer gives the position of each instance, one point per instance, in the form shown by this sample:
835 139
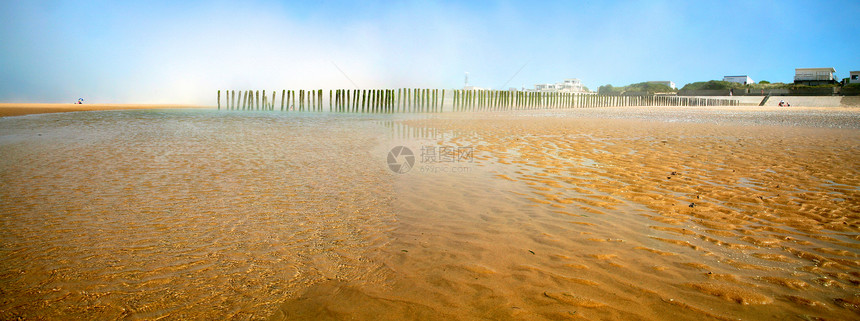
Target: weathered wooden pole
468 99
389 101
363 100
422 100
436 100
397 100
473 100
350 98
285 105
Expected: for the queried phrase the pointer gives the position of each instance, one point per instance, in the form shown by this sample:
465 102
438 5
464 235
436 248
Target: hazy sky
183 51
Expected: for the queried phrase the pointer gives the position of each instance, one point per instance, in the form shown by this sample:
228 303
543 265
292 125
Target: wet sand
586 215
611 213
12 109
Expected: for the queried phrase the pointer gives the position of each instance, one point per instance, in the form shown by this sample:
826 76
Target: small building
671 84
545 87
854 78
743 79
814 76
570 85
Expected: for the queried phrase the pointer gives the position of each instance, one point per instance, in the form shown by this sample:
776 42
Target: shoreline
15 109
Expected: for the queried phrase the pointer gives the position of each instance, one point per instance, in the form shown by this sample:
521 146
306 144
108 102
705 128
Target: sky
183 51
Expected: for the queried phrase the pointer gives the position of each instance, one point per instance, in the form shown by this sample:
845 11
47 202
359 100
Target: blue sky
182 51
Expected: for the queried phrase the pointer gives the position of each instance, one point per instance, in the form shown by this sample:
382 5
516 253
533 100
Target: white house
570 85
854 78
814 76
743 80
671 84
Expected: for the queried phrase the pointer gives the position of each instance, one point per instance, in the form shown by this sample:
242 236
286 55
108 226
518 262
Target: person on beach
80 101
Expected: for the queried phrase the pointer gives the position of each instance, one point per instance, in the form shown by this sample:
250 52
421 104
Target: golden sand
627 213
594 218
13 109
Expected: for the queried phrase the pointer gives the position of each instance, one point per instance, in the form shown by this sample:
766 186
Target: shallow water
200 214
147 214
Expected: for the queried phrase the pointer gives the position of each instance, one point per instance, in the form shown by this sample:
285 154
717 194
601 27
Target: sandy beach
13 109
607 213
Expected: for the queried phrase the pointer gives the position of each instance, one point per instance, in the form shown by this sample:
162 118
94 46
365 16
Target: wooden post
363 100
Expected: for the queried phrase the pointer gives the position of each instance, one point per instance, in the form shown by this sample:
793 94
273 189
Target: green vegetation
642 87
710 85
725 85
851 90
609 90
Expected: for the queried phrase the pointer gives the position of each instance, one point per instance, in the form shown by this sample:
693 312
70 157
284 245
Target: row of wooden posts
484 100
417 100
304 100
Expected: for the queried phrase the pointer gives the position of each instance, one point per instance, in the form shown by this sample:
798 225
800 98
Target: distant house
814 76
664 82
570 85
854 78
743 80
